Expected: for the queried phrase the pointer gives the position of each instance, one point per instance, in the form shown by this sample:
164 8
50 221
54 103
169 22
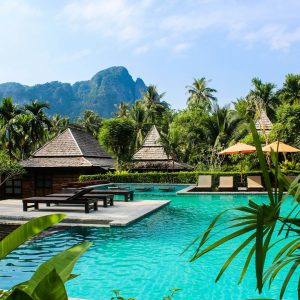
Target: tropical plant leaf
26 231
63 264
51 287
18 294
234 254
288 277
259 261
262 161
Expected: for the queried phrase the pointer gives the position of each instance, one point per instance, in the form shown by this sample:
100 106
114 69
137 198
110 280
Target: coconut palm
290 92
200 95
263 96
223 126
39 121
154 106
122 109
91 121
58 125
139 116
8 120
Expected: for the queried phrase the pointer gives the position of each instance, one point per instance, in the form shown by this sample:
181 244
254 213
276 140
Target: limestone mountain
105 89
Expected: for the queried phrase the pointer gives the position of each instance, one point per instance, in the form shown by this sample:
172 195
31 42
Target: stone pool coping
186 191
120 215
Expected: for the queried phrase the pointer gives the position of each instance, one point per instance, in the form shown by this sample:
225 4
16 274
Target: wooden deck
121 214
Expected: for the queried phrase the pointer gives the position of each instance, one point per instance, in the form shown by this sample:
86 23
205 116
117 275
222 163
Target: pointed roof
152 148
72 148
263 123
152 154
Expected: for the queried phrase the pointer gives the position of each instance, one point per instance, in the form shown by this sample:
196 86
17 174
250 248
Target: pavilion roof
152 154
72 148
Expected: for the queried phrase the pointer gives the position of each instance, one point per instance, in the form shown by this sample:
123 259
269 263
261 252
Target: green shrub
173 177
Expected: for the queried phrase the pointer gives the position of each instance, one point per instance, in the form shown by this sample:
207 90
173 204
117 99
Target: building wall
31 187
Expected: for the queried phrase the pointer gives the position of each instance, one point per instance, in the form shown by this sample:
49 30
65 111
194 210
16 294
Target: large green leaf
262 161
18 294
51 287
26 231
63 263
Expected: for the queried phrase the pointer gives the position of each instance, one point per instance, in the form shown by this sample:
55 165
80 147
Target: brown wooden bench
105 198
128 194
88 203
77 198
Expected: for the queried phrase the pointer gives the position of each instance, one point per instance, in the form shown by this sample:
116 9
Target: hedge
165 177
172 177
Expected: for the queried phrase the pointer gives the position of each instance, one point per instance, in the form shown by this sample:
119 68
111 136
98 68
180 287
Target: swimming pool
143 260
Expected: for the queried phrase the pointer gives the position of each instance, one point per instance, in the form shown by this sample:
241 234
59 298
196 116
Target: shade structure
280 147
239 148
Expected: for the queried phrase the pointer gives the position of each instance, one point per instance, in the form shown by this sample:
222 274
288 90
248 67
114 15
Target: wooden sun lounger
226 183
88 203
254 183
128 194
105 198
77 198
204 182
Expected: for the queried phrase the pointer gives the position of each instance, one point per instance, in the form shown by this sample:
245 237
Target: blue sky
166 43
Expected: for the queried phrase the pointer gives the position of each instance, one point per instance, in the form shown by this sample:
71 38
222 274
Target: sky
166 43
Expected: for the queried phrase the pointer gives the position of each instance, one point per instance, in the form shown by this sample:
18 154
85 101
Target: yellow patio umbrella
239 148
280 147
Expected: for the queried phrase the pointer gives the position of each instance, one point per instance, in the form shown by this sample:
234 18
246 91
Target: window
13 187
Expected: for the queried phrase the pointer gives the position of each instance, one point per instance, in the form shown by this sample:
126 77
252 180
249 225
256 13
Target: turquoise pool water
143 260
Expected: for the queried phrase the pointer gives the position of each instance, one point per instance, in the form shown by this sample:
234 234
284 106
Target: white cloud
118 18
170 23
18 7
141 50
279 38
181 47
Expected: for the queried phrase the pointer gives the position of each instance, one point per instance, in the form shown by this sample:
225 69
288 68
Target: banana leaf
27 231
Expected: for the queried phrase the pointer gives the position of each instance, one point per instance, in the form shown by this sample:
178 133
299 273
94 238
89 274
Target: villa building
72 153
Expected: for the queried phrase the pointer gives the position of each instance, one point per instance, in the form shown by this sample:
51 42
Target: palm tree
91 121
223 127
23 145
8 119
200 95
138 115
290 92
122 109
39 122
154 106
263 96
58 125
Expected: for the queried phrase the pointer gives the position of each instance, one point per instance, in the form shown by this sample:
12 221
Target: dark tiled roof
71 148
64 162
152 155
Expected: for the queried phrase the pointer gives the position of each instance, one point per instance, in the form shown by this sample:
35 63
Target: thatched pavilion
72 153
153 157
263 124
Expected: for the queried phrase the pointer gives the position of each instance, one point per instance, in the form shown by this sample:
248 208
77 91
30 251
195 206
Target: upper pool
143 259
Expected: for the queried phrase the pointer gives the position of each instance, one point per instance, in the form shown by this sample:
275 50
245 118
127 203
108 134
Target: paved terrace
121 214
